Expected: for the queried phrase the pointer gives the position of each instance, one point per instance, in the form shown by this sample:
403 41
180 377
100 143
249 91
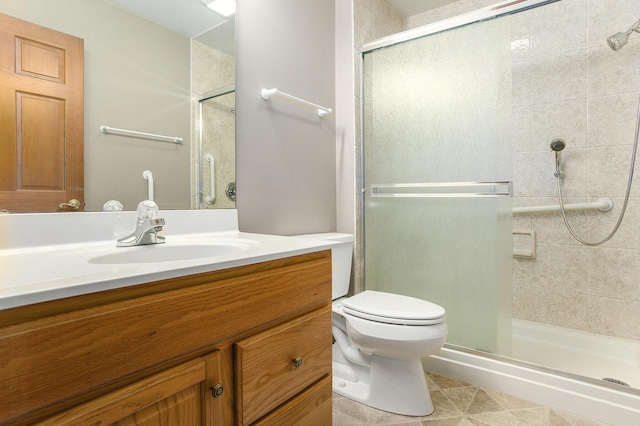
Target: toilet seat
393 308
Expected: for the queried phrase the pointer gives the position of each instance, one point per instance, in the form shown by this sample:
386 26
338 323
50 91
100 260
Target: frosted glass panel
437 109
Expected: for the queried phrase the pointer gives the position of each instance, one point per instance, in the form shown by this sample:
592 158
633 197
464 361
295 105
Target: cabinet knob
217 390
297 363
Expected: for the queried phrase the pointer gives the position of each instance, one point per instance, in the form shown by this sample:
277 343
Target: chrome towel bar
443 189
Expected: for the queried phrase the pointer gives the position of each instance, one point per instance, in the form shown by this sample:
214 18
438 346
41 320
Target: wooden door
41 117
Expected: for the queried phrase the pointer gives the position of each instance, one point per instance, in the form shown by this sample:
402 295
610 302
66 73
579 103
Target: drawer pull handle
297 363
217 390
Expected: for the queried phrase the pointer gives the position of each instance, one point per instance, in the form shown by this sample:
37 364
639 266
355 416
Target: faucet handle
147 209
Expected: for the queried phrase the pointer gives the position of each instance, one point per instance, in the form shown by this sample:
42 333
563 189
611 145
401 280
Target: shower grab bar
141 135
212 183
602 204
395 190
267 93
148 176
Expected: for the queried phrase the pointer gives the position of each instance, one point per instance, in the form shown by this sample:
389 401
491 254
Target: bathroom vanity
241 339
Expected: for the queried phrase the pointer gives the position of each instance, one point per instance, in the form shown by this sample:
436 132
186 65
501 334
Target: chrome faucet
147 227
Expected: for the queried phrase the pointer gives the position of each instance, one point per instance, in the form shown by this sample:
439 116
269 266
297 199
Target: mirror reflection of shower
216 153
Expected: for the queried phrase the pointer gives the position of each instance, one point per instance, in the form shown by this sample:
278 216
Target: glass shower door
436 120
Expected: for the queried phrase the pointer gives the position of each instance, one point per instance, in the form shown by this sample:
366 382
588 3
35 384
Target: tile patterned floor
460 404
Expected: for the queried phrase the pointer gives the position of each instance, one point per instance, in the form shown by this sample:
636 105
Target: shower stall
458 120
216 149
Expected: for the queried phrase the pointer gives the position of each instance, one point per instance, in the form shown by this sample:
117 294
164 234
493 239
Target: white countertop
33 273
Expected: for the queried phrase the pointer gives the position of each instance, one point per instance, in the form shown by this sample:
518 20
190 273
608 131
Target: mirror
149 65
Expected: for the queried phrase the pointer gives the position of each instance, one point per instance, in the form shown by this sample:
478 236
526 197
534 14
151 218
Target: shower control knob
217 390
297 363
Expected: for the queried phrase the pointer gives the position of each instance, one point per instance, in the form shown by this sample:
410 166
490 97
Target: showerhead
618 40
557 145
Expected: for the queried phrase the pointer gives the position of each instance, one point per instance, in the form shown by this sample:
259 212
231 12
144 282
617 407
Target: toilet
380 339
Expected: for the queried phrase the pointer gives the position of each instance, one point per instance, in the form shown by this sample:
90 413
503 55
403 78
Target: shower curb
601 402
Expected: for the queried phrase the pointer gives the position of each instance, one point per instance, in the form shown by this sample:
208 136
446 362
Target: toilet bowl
380 339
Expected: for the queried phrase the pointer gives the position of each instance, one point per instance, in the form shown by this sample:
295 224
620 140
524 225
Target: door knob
72 205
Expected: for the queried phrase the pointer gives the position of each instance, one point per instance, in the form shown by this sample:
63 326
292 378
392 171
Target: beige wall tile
614 72
558 78
624 284
612 120
559 308
614 317
609 171
559 28
560 268
565 120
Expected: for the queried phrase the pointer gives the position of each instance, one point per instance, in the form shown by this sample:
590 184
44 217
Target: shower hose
626 197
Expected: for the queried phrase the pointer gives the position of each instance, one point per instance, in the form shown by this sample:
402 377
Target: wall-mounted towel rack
443 189
267 93
141 135
212 180
602 204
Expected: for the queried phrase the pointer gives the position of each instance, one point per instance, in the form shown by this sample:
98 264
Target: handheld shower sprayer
618 40
557 145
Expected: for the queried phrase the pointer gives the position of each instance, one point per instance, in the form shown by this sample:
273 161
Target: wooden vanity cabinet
256 336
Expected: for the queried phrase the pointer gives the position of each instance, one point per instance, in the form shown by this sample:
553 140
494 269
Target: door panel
40 142
437 121
41 117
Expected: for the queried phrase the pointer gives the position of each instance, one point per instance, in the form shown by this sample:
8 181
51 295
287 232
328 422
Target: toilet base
396 386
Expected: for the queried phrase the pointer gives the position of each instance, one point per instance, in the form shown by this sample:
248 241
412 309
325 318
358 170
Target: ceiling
193 19
190 18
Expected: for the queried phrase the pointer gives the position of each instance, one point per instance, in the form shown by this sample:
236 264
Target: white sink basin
155 253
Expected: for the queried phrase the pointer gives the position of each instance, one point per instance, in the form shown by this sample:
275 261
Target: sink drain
616 381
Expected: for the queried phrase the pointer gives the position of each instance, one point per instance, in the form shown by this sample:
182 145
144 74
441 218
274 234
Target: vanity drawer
310 408
265 364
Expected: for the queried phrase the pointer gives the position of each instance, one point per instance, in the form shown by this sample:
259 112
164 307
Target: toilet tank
341 255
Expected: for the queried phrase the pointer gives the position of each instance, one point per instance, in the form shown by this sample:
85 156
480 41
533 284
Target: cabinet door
178 396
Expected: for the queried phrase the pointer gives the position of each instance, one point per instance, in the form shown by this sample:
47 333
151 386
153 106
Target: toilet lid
393 308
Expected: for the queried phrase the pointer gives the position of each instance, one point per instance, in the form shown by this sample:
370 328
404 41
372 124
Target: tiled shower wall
567 83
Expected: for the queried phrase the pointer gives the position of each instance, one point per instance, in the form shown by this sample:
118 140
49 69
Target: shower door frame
489 12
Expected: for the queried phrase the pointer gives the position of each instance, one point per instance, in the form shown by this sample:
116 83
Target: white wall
285 153
347 185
